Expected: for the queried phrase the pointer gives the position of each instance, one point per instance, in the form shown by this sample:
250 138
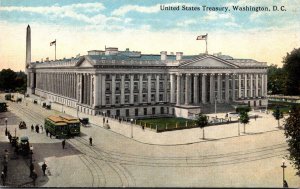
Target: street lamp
6 126
283 167
216 105
131 120
239 126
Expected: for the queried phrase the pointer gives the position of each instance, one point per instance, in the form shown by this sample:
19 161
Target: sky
140 25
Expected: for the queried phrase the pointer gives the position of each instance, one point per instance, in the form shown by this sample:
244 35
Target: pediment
85 63
208 61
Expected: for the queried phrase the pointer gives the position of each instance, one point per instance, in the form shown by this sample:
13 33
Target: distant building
131 84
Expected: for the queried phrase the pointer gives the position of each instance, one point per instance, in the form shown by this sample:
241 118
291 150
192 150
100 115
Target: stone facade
131 84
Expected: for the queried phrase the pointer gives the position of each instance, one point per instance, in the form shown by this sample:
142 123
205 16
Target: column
187 89
196 89
219 88
203 88
96 80
122 89
165 88
178 89
240 85
227 88
262 85
212 88
103 90
256 85
157 88
149 87
233 87
172 89
141 88
113 89
131 89
92 89
266 85
251 85
246 86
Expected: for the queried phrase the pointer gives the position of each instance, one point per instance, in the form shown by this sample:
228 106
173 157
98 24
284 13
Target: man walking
44 167
5 170
47 132
91 141
63 143
32 128
3 178
34 177
31 169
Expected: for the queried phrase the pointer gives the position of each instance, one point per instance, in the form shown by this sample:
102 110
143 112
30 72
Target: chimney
179 55
163 55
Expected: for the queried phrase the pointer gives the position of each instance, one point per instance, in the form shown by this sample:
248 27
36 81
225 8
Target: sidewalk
264 123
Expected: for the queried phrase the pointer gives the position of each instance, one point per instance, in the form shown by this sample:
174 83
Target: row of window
135 76
108 99
145 112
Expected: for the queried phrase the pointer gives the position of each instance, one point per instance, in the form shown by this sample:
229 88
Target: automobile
34 101
44 104
24 145
22 125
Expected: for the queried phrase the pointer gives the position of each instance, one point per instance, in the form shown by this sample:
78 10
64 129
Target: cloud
217 16
185 23
121 11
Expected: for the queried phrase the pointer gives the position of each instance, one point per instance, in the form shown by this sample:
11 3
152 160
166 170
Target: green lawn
283 106
165 123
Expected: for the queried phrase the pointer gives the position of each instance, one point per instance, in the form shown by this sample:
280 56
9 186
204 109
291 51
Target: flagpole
55 49
206 44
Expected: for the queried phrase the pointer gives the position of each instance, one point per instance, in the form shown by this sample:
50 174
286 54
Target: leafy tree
277 114
244 119
292 133
276 79
202 121
7 79
291 65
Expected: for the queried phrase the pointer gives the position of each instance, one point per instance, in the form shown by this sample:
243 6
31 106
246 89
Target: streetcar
3 107
73 124
56 126
8 97
62 126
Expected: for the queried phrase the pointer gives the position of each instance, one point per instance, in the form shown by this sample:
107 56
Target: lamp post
131 120
239 126
283 167
6 126
216 105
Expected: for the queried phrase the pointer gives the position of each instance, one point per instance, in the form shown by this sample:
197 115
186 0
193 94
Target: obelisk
28 48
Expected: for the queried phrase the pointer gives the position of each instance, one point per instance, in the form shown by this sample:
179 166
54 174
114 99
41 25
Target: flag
53 43
201 37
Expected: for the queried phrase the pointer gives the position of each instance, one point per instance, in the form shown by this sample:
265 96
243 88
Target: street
224 159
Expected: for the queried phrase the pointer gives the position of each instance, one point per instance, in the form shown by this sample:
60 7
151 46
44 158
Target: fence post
156 127
176 125
185 123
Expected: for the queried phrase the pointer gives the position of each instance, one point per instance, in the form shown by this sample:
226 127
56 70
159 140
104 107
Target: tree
276 79
278 115
202 121
7 79
292 133
244 119
291 65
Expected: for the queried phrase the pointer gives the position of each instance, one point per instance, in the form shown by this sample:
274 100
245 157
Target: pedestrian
34 177
285 184
91 141
42 128
106 121
50 134
37 128
32 128
120 120
31 167
5 170
255 117
44 167
143 127
103 121
47 132
63 143
9 137
3 178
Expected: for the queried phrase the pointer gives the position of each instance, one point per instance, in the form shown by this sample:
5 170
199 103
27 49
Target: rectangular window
126 76
118 76
144 98
107 87
136 98
118 99
107 76
136 86
161 97
162 110
144 86
136 112
127 112
161 84
152 97
136 77
145 111
108 113
153 85
153 111
127 86
117 112
118 86
107 99
126 99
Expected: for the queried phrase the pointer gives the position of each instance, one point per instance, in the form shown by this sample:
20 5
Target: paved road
251 160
